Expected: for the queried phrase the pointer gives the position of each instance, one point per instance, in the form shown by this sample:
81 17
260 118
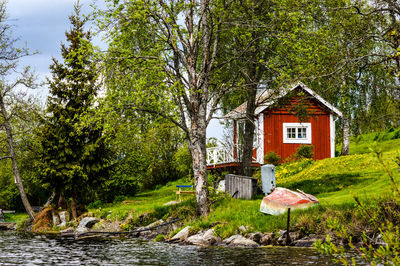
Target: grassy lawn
335 182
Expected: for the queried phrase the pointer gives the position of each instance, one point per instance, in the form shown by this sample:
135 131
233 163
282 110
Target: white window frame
306 140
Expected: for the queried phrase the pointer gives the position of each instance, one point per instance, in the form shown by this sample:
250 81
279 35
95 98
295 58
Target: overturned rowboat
281 199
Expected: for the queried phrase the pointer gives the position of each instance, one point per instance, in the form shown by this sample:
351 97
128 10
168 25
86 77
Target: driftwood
49 200
131 232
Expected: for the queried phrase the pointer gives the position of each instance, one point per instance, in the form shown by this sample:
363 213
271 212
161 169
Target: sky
41 25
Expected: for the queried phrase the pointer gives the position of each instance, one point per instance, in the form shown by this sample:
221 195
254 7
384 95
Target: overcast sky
41 24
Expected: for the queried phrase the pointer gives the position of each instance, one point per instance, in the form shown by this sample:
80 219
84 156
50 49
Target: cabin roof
268 97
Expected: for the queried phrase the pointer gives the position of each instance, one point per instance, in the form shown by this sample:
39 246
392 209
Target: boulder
181 235
204 238
85 224
268 239
107 226
8 226
304 243
1 216
228 240
282 237
150 233
240 241
256 237
64 218
243 229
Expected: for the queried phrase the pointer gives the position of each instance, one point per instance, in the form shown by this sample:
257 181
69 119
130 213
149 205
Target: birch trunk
11 150
346 136
197 146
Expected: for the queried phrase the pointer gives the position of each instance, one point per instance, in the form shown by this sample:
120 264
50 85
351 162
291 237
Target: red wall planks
320 129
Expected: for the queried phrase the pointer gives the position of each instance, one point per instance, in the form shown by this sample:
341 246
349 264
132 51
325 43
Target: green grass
335 182
19 218
148 203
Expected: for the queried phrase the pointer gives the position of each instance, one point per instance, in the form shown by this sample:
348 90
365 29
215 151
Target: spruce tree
74 152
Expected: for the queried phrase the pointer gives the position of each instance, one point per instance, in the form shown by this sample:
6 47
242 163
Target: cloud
41 25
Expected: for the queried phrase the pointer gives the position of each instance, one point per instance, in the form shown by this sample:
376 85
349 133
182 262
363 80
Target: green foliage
119 199
272 158
304 152
95 204
159 238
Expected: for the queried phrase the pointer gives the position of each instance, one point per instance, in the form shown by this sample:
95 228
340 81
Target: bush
396 134
272 158
305 152
95 204
119 199
159 238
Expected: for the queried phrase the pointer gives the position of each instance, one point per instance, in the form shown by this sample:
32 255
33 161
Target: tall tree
74 152
169 51
11 102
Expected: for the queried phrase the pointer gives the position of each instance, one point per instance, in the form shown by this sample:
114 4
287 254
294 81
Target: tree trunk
61 202
198 150
249 128
13 156
49 200
73 206
346 136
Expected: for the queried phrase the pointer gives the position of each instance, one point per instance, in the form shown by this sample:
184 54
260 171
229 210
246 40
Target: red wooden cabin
280 128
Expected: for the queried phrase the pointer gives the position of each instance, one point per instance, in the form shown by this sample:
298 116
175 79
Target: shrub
272 158
95 204
305 152
390 129
119 199
159 238
396 134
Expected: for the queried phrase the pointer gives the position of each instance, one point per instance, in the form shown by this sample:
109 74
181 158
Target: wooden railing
230 154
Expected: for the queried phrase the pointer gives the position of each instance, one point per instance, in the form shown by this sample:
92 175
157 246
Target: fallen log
130 232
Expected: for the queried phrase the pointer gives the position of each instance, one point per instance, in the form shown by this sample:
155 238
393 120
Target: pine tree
74 152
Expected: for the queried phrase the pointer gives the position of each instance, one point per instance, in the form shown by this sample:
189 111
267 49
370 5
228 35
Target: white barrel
268 178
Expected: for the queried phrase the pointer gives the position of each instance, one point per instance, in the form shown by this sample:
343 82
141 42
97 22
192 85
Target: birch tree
167 51
12 101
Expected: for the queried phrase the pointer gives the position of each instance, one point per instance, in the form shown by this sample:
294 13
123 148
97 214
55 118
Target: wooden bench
180 191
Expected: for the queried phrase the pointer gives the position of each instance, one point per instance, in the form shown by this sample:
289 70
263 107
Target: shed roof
268 97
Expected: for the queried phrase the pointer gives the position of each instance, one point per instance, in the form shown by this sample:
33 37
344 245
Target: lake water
24 248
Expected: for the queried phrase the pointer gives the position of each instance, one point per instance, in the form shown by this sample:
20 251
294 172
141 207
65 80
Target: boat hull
281 199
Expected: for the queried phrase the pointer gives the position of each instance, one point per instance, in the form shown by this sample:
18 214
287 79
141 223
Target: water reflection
23 248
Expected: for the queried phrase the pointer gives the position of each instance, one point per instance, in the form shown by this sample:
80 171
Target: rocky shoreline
187 236
171 231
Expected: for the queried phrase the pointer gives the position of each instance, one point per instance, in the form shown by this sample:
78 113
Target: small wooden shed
240 187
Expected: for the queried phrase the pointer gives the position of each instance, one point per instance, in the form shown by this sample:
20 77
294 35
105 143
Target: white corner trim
332 135
261 139
306 140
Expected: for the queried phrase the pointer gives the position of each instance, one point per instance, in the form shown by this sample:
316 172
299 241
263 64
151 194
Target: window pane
291 133
302 133
304 130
